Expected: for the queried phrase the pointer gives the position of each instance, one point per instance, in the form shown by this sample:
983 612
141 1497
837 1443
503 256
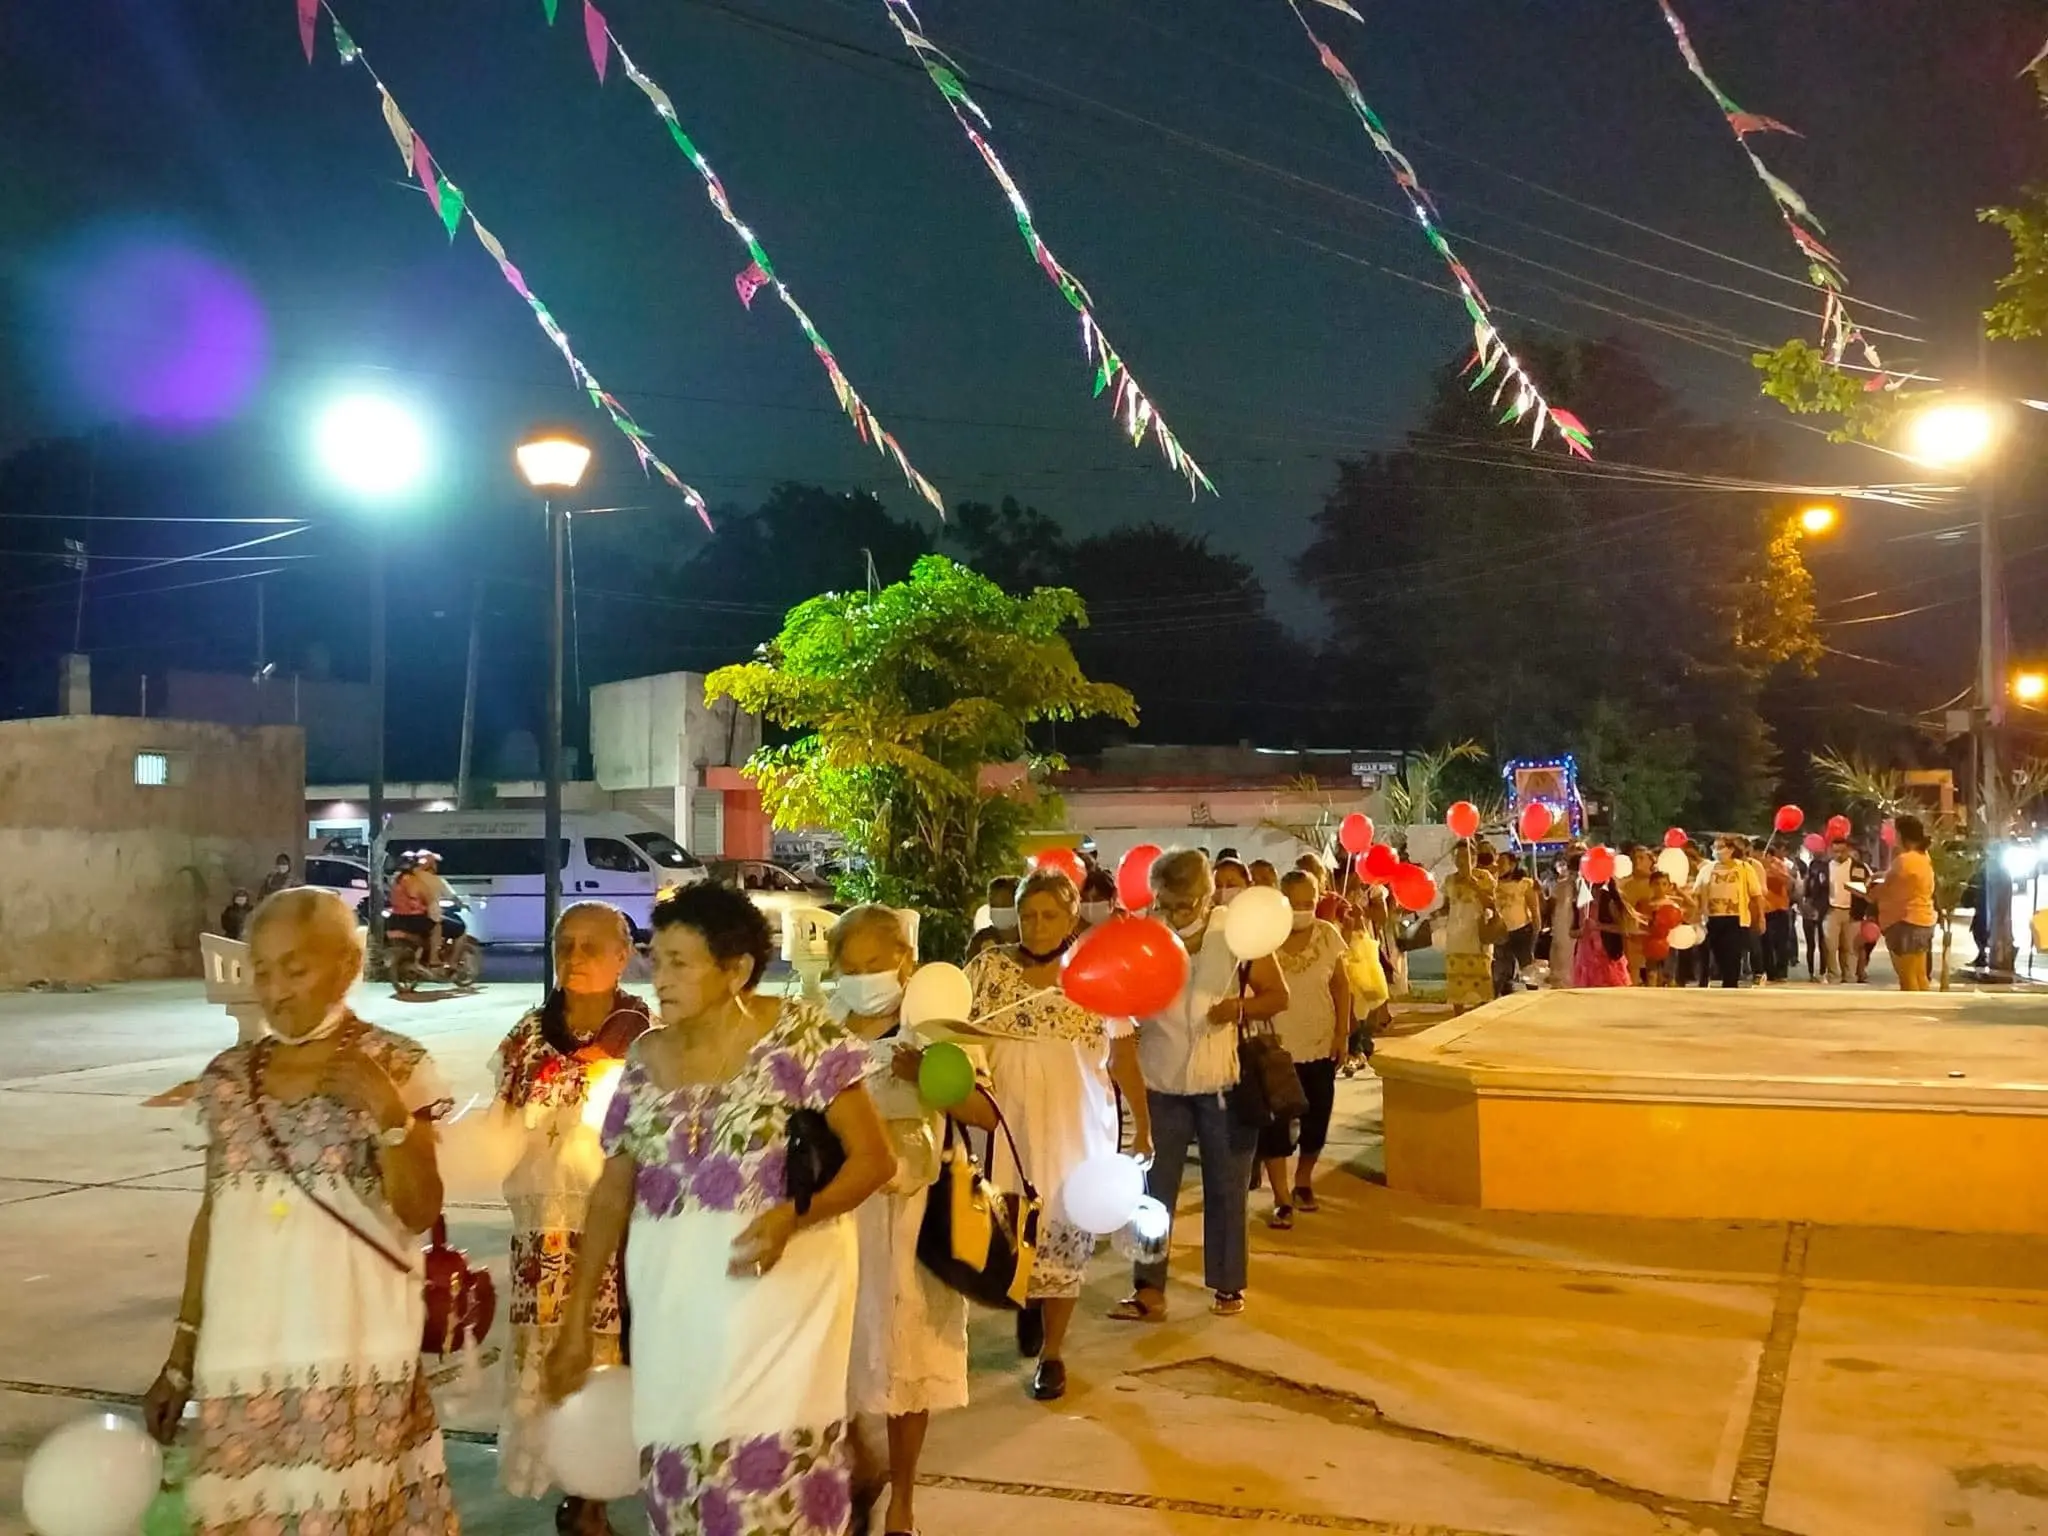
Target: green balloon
945 1077
166 1514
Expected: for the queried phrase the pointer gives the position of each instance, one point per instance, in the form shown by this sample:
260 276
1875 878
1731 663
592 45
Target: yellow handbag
979 1240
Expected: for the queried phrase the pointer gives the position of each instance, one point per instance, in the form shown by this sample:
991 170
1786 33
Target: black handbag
1268 1088
816 1154
977 1239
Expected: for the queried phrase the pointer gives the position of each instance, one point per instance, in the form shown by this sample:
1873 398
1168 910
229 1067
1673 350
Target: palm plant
1861 784
1413 799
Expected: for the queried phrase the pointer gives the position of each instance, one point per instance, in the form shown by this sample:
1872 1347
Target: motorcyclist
417 902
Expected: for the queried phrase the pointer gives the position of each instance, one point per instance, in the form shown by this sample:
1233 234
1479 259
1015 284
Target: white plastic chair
226 965
806 947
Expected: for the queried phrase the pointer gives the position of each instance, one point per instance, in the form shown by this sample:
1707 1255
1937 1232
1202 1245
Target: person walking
1848 879
555 1061
1188 1054
1813 912
1781 944
1054 1067
1905 904
1518 900
1468 958
909 1357
1600 957
1731 900
1564 917
301 1317
742 1265
1315 1029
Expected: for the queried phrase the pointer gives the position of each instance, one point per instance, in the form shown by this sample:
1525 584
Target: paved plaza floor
1403 1369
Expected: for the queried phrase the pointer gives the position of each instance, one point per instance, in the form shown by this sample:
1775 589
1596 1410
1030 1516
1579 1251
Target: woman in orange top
1905 904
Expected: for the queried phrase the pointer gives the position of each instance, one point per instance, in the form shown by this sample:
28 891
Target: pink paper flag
309 13
423 167
749 283
598 35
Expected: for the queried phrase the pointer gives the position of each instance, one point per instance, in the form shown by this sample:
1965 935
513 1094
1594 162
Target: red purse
461 1299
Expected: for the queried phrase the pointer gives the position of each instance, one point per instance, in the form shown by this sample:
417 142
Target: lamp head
1953 434
371 445
553 461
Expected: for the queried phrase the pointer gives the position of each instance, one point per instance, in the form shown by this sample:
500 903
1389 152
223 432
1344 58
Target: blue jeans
1226 1148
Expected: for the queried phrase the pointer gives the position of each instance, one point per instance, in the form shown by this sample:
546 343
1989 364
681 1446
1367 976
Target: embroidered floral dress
1048 1065
549 1094
739 1384
314 1418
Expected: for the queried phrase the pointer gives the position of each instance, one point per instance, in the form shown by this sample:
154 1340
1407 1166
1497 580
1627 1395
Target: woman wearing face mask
1051 1067
1189 1058
1232 876
742 1318
548 1067
909 1331
1315 1028
1098 899
299 1328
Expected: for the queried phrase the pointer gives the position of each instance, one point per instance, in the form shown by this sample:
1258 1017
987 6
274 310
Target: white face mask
1192 930
1003 919
1302 920
1225 897
870 996
1093 912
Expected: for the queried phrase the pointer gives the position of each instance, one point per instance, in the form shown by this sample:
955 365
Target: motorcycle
405 957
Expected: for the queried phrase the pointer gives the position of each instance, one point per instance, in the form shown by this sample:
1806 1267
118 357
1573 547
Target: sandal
1134 1308
1227 1303
1305 1199
1281 1218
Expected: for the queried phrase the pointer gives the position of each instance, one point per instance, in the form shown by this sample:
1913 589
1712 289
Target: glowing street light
1818 519
2030 687
551 462
1953 434
370 446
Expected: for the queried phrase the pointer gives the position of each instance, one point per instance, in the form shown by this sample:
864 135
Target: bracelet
180 1382
186 1329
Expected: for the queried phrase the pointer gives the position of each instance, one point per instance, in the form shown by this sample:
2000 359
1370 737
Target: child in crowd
1662 912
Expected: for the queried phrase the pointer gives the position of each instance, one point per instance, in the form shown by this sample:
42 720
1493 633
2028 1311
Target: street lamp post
1960 434
375 449
550 463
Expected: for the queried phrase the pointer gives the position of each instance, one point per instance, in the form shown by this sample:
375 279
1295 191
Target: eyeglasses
1186 912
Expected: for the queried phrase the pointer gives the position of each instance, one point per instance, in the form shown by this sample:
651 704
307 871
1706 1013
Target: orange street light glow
2030 687
1818 519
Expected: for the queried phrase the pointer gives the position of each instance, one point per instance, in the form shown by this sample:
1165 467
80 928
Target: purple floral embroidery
771 1173
825 1499
659 1187
717 1515
671 1478
838 1070
717 1183
760 1465
786 1075
614 1130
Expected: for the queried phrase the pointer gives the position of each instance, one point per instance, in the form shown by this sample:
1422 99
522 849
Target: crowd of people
745 1229
1730 913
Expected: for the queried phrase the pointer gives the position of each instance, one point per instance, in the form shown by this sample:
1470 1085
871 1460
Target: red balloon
1597 867
1414 888
1380 862
1674 837
1128 967
1065 860
1889 834
1463 819
1790 818
1815 843
1839 828
1536 822
1354 833
1134 877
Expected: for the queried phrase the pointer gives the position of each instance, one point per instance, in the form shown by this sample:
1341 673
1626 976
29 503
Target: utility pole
1991 666
476 643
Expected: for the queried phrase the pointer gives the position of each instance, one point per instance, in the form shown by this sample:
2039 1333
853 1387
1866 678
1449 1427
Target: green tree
1641 772
900 700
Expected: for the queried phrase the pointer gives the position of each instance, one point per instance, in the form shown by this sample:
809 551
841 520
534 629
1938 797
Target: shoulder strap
257 1057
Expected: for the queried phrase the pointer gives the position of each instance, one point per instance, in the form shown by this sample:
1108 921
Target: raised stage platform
1802 1103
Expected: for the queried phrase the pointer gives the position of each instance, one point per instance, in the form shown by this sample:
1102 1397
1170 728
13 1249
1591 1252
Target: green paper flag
345 45
451 206
1101 379
549 7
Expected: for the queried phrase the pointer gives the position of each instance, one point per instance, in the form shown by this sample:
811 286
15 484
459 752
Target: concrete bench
806 947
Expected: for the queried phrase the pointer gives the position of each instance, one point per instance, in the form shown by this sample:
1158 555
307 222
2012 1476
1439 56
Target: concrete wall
103 879
649 734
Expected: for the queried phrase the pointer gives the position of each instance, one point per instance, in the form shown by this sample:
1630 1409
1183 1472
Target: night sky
1189 161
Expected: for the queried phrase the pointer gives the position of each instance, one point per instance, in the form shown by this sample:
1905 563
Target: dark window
478 857
608 853
664 850
780 879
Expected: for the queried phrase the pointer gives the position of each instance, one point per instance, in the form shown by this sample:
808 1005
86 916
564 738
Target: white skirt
909 1331
1058 1101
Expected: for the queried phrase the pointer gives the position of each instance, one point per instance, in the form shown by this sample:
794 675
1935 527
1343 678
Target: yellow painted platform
1796 1103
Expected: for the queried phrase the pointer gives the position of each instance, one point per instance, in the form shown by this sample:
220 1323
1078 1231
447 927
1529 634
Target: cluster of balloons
1377 864
1673 865
590 1447
95 1476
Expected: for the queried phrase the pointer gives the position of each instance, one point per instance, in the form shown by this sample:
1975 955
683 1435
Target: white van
493 861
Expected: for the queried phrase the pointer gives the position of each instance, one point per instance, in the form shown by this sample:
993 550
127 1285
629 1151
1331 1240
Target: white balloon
1674 865
1102 1191
938 994
1146 1237
591 1449
1685 936
92 1477
1257 922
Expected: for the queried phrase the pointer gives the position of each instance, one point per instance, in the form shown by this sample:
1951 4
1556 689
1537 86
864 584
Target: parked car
493 861
345 877
773 889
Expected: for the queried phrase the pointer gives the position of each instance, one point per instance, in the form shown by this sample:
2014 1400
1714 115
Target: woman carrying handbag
1189 1057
